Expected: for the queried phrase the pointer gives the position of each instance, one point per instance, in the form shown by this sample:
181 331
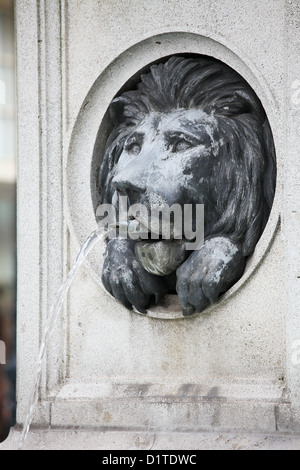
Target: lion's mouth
154 229
137 227
132 226
162 257
158 256
137 230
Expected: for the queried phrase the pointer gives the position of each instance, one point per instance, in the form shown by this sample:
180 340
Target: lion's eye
133 148
182 145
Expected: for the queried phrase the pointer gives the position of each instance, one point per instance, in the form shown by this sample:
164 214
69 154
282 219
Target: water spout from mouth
55 310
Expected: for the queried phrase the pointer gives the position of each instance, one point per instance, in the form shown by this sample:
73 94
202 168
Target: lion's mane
247 169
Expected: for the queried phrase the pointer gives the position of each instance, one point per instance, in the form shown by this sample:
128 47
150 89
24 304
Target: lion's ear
116 110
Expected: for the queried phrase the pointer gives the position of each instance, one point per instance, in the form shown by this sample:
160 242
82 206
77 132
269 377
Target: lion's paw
125 279
207 273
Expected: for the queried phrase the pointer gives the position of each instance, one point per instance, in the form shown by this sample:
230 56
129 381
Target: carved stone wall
235 368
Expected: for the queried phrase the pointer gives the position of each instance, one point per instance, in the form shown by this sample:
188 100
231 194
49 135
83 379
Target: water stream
55 310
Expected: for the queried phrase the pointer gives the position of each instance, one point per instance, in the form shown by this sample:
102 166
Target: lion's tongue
161 258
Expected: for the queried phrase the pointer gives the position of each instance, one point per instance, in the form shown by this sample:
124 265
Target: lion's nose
125 187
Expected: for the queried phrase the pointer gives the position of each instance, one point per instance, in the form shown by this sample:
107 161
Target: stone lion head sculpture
191 132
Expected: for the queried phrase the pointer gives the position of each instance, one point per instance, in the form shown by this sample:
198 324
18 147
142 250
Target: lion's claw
207 273
125 279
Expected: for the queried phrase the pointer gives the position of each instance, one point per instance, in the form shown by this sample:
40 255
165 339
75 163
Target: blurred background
7 216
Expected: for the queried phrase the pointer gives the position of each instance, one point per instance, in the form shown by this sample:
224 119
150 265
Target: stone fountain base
64 439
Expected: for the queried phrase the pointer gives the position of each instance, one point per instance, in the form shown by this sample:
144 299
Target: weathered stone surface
143 441
73 58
